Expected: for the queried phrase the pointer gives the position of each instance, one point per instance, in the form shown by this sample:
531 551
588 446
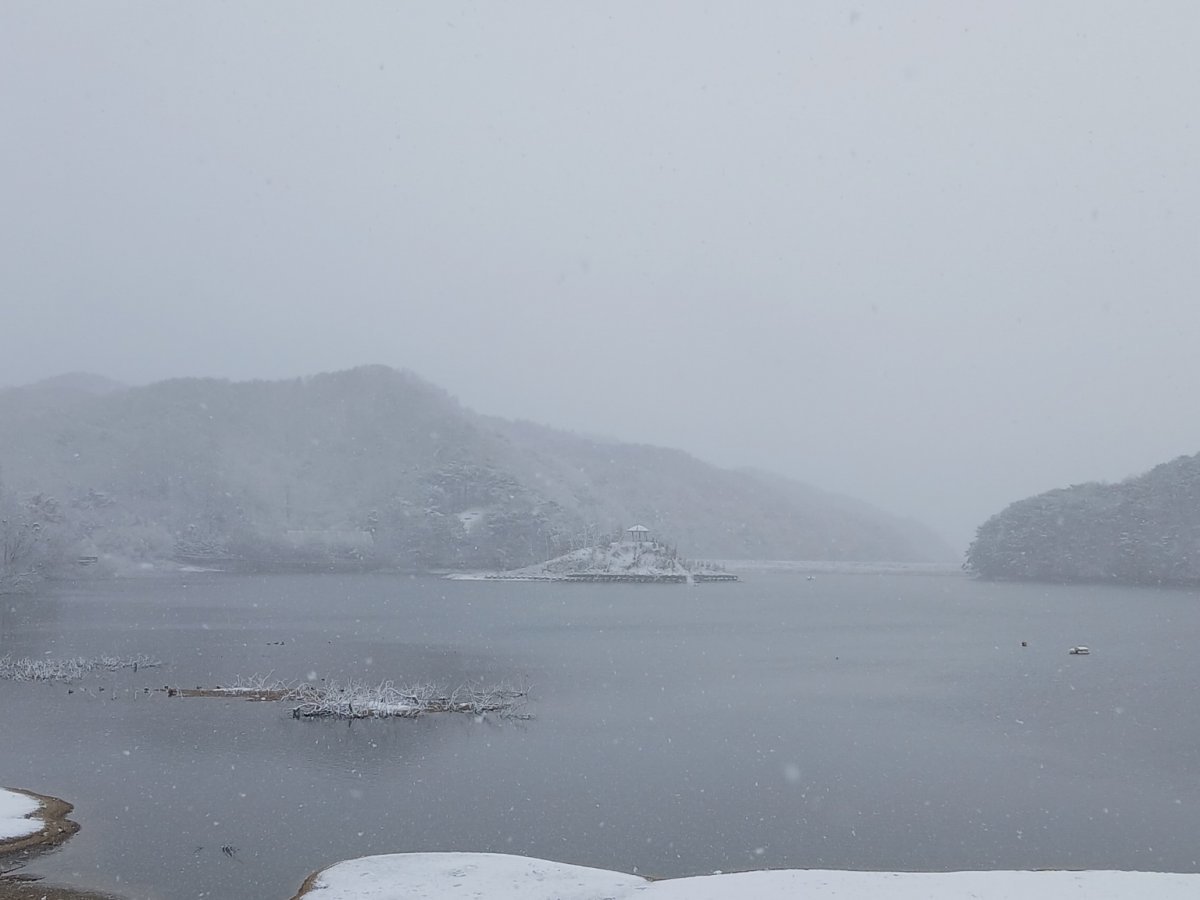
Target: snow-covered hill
374 466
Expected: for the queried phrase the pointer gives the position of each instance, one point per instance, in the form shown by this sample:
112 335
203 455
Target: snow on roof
638 528
498 876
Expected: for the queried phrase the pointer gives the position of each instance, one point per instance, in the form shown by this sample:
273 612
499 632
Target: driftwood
358 700
73 669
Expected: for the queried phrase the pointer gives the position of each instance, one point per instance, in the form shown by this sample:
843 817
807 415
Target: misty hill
78 382
1145 530
709 511
377 465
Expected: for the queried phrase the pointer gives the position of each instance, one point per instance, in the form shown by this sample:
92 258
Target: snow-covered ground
644 559
15 811
620 557
488 876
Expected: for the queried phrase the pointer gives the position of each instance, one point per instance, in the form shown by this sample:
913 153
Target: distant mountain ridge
1144 530
86 382
376 465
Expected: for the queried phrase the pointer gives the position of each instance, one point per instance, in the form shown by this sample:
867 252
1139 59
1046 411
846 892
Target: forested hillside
375 466
1144 530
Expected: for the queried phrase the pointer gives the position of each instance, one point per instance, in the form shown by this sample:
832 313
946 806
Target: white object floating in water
1079 651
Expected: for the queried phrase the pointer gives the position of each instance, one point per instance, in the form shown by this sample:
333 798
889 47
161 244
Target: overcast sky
939 256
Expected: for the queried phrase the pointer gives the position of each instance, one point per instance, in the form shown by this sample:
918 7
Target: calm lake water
852 721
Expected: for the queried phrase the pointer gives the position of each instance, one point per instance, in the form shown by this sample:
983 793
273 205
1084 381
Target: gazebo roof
638 528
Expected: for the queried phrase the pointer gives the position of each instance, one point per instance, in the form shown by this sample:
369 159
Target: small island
634 558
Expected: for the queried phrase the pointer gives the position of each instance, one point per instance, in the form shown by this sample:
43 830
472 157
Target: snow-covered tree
31 539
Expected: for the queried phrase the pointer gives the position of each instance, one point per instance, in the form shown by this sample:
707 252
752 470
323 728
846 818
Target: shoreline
56 827
309 884
15 884
501 876
14 889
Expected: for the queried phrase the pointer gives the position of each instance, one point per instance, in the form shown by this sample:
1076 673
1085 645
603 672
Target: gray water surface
852 721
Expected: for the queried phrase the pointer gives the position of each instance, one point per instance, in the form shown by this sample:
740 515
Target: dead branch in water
255 687
358 700
74 669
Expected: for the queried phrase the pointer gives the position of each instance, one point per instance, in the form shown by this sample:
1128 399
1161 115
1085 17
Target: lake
856 721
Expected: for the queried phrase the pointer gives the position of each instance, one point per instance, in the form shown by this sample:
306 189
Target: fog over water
938 257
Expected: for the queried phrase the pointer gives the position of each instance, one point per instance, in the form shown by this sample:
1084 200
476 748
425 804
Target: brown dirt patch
239 694
56 828
307 886
11 889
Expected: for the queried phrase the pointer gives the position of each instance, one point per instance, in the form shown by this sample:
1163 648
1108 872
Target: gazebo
638 534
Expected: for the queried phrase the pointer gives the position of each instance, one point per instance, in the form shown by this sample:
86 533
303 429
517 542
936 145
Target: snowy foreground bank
488 876
18 815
